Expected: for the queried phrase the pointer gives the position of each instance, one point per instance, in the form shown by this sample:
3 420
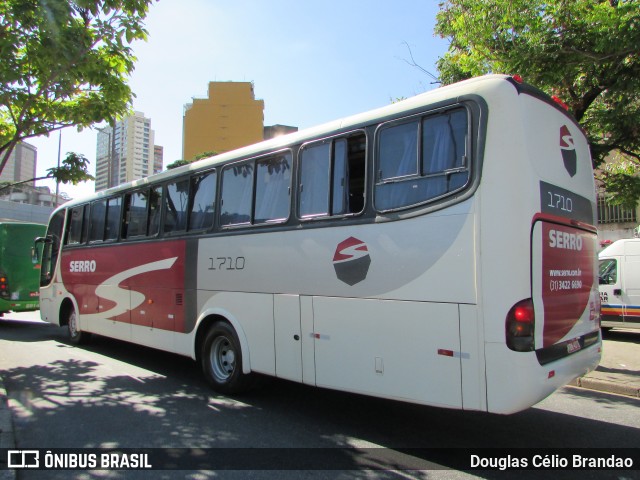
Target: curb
606 386
7 439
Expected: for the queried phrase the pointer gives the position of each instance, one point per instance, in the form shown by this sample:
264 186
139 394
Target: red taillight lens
518 78
4 286
523 312
519 326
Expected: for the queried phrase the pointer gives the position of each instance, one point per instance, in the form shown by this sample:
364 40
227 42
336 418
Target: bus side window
136 214
176 204
349 175
85 224
155 209
422 161
203 194
96 228
273 182
398 151
237 194
444 151
315 164
76 225
112 224
332 177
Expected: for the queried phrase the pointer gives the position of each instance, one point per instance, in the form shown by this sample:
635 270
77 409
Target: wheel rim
73 327
222 358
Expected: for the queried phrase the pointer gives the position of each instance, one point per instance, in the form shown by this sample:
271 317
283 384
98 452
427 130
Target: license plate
573 346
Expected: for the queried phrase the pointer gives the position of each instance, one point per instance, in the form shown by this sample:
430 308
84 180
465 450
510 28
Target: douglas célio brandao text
555 461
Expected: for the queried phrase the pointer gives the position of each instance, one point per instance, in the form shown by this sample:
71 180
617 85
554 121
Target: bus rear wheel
222 360
75 336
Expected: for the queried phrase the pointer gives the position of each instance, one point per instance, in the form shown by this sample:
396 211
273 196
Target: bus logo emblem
351 261
568 150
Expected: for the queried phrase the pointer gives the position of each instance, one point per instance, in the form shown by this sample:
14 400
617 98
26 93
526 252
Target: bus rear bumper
526 382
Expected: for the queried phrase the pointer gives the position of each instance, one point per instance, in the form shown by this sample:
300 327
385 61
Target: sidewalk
619 369
7 439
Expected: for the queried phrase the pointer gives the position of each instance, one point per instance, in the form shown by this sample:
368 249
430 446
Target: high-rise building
158 158
230 117
126 152
21 165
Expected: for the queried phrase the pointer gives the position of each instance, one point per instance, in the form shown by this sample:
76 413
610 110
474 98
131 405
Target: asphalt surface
618 373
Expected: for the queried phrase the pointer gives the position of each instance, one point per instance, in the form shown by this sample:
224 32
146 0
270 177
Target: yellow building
229 118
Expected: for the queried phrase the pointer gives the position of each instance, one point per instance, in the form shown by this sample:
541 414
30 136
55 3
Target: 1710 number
226 263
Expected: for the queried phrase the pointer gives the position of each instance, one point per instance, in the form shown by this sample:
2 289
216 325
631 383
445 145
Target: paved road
114 394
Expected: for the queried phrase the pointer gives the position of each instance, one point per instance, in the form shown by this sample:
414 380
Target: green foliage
621 182
584 51
64 63
74 169
177 163
200 156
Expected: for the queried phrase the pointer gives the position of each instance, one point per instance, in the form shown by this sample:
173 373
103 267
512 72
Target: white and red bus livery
440 250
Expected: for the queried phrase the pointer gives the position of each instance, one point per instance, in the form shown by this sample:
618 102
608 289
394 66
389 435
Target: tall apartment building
230 117
158 158
21 165
126 152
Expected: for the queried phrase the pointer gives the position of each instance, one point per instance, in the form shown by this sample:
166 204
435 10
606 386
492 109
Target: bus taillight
520 326
4 287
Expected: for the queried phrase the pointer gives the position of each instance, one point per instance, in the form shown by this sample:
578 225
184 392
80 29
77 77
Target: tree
74 169
64 63
200 156
584 51
177 163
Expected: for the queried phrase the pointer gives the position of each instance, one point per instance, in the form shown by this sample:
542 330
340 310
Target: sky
311 62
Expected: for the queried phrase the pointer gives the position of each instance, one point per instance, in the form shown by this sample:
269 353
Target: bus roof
477 85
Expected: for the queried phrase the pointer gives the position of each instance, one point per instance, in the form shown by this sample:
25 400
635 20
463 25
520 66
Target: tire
221 358
75 336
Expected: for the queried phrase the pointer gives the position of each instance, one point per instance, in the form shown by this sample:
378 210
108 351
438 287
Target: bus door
51 242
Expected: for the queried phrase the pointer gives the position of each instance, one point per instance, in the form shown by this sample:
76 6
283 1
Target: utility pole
58 181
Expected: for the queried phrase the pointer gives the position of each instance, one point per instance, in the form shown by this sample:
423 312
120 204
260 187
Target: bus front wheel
75 336
222 360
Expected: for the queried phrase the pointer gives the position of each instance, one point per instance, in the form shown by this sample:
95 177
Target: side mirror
35 253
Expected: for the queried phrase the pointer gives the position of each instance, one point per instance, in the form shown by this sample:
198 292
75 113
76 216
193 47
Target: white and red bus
440 250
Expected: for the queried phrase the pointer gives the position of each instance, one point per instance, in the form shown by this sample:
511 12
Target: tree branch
419 67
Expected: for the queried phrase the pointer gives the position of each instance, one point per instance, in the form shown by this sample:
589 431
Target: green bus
19 267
